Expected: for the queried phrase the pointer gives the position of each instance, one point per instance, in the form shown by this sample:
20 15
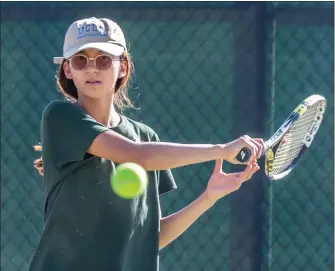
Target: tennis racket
286 147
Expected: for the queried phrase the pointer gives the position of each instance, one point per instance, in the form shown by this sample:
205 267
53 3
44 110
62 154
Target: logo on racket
269 161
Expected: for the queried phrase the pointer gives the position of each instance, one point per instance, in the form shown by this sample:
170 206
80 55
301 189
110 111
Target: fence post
249 116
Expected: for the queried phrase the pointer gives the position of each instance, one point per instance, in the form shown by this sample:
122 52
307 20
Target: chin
94 93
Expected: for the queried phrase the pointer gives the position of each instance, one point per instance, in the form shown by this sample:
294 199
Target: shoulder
142 129
60 109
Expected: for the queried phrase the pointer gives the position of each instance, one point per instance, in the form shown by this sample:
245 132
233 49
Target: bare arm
219 185
153 155
174 225
161 155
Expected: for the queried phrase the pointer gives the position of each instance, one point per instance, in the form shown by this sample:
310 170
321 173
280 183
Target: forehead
90 52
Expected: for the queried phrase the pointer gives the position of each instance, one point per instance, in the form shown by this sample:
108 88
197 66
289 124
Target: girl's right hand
231 149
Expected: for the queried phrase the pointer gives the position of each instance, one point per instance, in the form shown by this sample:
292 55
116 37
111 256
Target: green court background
205 73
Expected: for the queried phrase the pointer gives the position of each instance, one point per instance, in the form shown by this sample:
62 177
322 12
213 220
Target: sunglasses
101 62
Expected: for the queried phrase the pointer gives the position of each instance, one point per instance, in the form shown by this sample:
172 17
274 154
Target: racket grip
244 155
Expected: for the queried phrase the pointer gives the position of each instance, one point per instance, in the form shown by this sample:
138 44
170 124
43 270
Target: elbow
161 246
162 243
164 238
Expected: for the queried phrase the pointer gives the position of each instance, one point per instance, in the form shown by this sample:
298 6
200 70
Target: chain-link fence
205 72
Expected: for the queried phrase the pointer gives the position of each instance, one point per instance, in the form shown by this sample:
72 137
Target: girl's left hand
221 184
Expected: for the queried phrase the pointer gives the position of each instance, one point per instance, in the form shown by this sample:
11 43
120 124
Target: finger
260 141
238 180
218 165
241 176
253 166
249 171
252 147
261 146
254 169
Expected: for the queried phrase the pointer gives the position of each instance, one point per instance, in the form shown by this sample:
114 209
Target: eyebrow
83 52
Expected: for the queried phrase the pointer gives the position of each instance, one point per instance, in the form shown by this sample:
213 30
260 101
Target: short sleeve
166 182
165 177
68 132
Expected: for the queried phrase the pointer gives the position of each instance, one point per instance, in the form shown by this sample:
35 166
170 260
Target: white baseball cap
93 33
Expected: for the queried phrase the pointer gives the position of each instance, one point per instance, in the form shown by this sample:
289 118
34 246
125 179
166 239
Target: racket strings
291 144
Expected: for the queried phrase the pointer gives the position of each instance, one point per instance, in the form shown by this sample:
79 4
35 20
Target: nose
91 66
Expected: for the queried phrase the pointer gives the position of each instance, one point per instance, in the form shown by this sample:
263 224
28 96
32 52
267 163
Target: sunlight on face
93 82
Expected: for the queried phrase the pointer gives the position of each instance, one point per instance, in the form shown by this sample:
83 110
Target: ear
123 69
67 71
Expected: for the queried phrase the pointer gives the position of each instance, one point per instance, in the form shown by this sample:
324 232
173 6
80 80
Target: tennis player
86 226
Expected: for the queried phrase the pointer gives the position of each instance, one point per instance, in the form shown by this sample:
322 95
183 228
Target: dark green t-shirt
87 226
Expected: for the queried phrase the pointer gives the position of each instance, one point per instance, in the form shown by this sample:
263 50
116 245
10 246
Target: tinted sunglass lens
103 62
79 62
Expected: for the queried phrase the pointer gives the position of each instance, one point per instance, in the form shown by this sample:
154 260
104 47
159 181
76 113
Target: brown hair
68 89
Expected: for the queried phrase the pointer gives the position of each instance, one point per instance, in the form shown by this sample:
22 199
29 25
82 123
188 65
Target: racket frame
271 145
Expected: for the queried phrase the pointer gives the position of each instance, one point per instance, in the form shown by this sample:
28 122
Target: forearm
153 155
171 227
159 156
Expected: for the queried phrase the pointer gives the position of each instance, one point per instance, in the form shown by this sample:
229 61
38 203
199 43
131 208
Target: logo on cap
91 30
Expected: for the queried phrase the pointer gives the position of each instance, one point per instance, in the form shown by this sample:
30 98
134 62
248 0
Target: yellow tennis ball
129 180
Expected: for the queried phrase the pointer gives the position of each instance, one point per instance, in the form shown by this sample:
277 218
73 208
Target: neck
102 110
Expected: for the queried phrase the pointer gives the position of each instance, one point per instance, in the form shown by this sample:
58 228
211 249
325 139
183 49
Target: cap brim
58 60
109 48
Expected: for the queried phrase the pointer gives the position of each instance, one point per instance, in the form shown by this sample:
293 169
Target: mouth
93 82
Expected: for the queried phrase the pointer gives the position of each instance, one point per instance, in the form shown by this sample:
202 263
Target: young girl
88 227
